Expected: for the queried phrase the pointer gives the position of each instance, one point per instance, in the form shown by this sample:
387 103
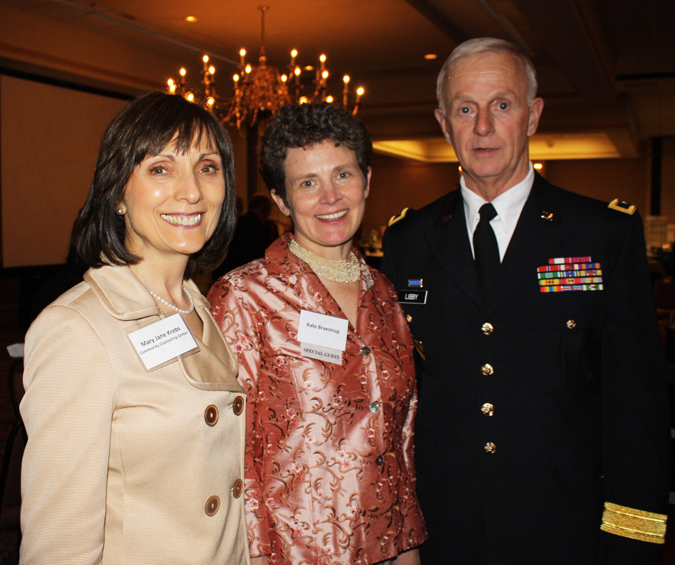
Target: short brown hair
304 125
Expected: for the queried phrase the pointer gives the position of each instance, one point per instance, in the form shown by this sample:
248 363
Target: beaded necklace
342 271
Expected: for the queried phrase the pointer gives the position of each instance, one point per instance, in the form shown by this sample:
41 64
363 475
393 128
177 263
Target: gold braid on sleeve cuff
634 524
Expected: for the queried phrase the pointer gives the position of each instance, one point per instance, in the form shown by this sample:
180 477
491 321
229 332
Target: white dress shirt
508 205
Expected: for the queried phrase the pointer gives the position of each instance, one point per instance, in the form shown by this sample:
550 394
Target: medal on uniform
412 295
565 274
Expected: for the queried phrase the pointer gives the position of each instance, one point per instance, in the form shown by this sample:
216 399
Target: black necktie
486 250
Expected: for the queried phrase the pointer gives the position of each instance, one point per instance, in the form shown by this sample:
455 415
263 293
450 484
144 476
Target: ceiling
606 68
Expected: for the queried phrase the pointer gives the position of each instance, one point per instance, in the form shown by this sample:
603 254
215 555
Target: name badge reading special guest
322 337
162 341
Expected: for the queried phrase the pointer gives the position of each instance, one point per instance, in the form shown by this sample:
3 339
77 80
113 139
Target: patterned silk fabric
329 450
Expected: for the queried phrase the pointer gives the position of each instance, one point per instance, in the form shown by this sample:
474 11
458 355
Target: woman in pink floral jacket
325 356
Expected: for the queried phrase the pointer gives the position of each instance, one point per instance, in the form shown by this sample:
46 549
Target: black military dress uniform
542 414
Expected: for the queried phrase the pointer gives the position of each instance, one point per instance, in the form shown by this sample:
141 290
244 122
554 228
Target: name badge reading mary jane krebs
162 341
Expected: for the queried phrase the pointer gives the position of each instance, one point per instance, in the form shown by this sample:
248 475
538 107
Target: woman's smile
188 220
333 216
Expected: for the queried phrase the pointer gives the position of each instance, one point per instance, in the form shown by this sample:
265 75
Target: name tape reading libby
412 296
162 341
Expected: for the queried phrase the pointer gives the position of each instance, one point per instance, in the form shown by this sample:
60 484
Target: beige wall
604 179
49 138
398 183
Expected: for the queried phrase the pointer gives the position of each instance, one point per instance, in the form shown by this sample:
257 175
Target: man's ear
536 107
444 124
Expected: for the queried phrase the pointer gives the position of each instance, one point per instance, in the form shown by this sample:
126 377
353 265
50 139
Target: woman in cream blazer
135 440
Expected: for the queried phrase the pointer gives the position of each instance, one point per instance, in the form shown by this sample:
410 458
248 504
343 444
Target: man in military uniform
542 433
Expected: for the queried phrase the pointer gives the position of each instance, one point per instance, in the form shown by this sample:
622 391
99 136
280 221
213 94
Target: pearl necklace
192 302
342 271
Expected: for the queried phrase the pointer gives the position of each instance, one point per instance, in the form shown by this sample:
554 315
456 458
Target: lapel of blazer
215 367
449 242
539 232
126 299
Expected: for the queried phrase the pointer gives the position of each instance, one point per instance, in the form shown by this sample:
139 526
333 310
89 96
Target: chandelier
259 91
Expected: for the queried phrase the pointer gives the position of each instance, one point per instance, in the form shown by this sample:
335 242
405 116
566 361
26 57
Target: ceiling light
190 19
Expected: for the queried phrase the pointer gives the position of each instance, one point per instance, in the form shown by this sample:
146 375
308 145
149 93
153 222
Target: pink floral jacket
329 448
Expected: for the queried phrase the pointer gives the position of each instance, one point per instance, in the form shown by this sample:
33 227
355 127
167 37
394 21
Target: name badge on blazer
322 337
162 341
412 296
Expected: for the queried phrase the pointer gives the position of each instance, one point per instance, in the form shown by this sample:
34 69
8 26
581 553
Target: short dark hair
304 125
143 128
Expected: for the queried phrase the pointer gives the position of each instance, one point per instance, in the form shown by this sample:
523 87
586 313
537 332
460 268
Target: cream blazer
124 465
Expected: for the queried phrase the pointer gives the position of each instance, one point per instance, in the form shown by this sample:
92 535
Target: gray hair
484 45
